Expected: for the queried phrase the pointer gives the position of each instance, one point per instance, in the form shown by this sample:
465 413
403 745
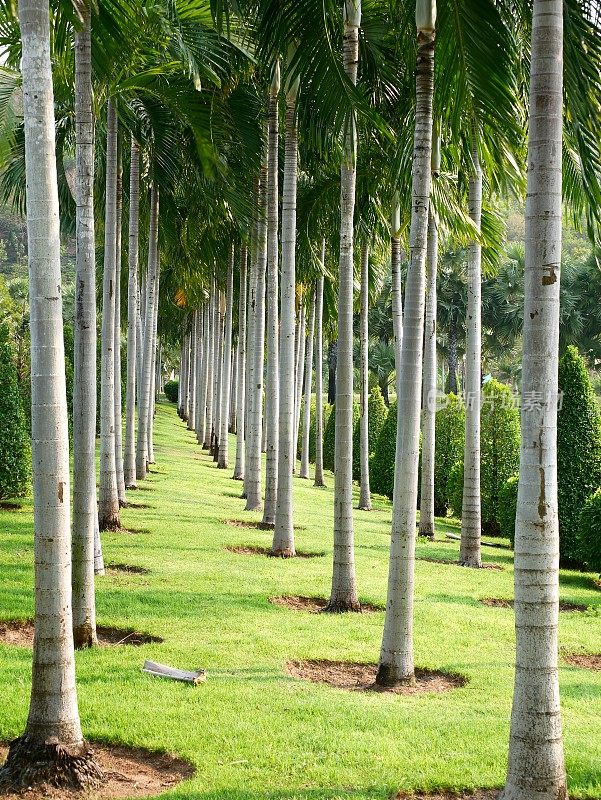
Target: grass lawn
251 731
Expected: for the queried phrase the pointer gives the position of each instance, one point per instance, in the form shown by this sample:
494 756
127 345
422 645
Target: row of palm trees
213 216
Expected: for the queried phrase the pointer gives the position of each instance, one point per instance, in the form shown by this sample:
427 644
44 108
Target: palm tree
200 374
471 522
536 761
192 379
51 749
272 377
344 596
301 344
129 466
84 356
396 654
283 535
227 360
365 496
210 369
319 481
119 469
108 498
304 469
241 387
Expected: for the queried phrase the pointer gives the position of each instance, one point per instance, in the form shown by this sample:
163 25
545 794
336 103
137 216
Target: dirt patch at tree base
19 633
129 772
583 660
502 602
244 523
484 565
10 506
597 583
315 605
251 550
482 794
131 569
362 677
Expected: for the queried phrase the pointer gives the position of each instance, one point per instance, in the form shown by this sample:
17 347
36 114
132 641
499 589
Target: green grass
251 731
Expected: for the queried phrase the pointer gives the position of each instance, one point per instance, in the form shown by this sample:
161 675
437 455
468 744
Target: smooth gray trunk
300 369
365 495
108 497
241 387
218 372
233 388
152 399
319 481
227 361
193 362
119 468
210 369
202 397
536 761
200 376
304 469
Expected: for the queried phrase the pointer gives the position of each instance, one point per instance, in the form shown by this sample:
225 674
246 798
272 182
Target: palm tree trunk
253 479
98 557
227 360
218 376
186 378
536 761
332 360
233 388
241 388
51 748
206 336
396 655
108 499
145 399
129 466
140 348
298 383
344 585
453 356
200 375
304 470
84 379
192 384
119 469
365 495
210 369
283 534
151 406
426 511
471 522
272 393
319 481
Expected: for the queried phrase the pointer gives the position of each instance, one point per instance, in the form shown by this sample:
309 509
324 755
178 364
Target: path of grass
251 731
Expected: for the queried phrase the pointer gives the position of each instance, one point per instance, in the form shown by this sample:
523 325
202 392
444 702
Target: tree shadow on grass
579 580
328 793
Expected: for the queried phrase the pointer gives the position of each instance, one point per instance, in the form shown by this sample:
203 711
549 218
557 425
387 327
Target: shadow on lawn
332 793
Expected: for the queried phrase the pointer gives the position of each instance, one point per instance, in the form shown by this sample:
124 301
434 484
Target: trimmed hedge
377 414
590 532
508 504
578 450
455 489
329 435
450 438
171 390
15 448
382 465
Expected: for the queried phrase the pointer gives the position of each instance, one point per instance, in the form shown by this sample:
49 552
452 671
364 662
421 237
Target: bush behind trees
590 532
377 414
450 439
15 448
382 464
329 435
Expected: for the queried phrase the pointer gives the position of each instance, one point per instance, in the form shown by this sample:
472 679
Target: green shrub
578 450
312 430
377 414
508 503
455 489
382 467
171 390
450 438
15 449
590 532
499 449
329 435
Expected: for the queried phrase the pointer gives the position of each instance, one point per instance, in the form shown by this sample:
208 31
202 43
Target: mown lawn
253 732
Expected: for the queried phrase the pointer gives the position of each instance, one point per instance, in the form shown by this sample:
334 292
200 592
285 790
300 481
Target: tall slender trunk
233 388
145 399
108 498
154 350
396 654
129 466
471 522
426 509
98 557
283 534
192 384
84 378
201 398
119 469
298 383
139 352
365 495
51 748
241 388
332 361
227 361
200 372
186 378
253 479
344 585
210 368
218 375
319 481
304 470
453 356
536 761
272 391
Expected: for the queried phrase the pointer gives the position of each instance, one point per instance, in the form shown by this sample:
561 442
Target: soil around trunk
315 605
583 660
485 564
19 633
503 602
128 773
262 526
252 550
4 506
362 677
480 794
129 568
